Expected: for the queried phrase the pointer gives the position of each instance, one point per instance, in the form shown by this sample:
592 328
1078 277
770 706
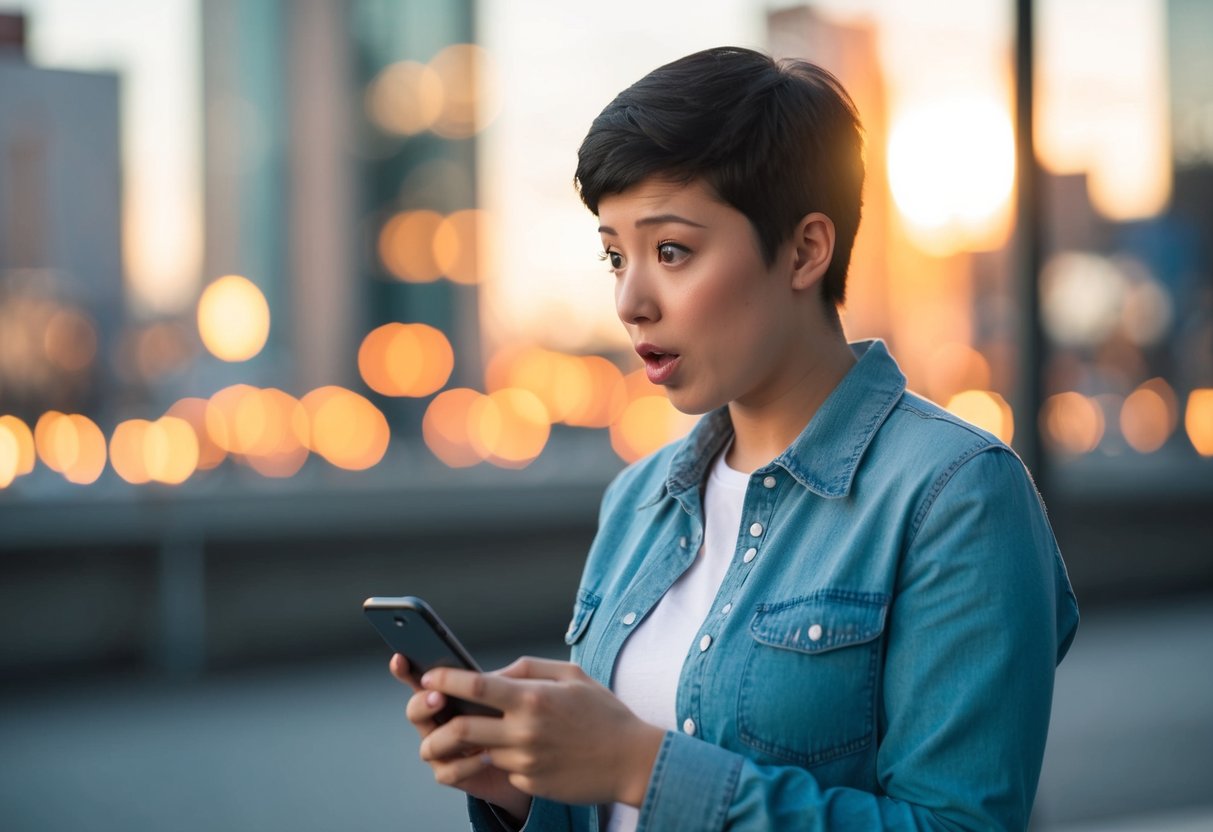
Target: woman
833 605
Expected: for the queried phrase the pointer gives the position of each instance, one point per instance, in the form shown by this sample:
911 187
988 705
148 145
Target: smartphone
411 627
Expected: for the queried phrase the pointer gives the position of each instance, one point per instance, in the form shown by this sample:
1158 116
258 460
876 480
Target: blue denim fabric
884 659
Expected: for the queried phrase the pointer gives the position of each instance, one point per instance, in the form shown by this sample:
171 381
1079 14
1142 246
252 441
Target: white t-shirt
650 662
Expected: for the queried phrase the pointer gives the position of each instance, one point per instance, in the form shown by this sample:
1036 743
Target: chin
692 405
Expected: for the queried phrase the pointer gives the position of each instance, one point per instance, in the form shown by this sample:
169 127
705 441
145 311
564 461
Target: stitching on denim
942 480
839 749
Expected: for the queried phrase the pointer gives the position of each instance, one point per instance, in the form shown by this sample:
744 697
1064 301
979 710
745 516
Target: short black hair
777 140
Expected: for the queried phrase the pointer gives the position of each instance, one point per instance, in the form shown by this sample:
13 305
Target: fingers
399 667
455 771
529 667
422 707
462 736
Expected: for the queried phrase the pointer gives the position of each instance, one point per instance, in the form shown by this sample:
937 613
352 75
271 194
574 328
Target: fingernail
432 698
486 759
425 680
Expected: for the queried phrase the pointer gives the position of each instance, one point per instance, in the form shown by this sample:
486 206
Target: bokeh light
1149 416
170 450
55 440
229 419
465 71
456 245
345 428
509 427
1198 420
561 382
279 448
608 395
446 427
985 409
1071 423
70 340
405 98
233 318
405 359
406 246
648 423
126 451
24 438
86 465
10 456
193 411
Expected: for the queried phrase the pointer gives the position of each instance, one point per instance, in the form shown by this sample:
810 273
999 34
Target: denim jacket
881 652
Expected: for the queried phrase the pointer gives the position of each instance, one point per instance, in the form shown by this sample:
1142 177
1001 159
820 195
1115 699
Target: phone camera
400 622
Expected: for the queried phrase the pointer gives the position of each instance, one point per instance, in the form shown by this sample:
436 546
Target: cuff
692 786
545 816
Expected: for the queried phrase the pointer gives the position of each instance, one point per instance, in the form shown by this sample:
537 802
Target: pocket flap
583 610
823 621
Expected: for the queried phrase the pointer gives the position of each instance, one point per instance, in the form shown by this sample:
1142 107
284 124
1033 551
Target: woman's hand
469 770
563 736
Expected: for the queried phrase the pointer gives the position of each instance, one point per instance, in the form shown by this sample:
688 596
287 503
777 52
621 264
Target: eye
672 253
613 259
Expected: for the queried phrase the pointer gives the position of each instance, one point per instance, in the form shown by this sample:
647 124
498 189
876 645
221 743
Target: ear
812 250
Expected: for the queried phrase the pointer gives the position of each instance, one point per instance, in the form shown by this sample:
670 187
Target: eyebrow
659 219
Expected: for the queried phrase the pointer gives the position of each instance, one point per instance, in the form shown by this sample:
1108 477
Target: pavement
325 746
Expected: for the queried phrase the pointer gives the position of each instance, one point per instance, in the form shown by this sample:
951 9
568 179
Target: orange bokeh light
126 451
509 427
1149 416
193 410
233 318
24 439
985 409
345 428
456 245
608 395
1198 420
235 417
89 460
170 450
406 359
446 427
1071 423
648 423
561 382
406 246
9 456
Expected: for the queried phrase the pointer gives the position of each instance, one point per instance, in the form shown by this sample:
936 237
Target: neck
764 429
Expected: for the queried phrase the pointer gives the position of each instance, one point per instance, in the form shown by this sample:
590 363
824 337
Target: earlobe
814 240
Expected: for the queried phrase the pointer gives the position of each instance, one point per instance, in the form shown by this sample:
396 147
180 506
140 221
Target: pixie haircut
777 140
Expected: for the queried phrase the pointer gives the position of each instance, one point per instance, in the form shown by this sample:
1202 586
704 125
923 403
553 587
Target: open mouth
659 366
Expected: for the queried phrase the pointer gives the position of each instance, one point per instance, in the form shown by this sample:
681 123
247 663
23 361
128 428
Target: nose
635 299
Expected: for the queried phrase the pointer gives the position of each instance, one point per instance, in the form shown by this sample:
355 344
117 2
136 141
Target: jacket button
688 727
756 530
768 482
725 609
705 643
815 633
749 555
682 541
629 619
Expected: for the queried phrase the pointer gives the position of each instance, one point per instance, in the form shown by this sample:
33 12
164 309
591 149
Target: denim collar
827 453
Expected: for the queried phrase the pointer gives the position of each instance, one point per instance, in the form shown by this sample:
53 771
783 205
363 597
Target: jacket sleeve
982 613
545 816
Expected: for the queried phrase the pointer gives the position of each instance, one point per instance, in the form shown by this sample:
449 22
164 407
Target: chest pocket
808 686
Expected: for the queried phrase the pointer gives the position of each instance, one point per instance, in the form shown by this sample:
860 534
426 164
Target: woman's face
712 321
